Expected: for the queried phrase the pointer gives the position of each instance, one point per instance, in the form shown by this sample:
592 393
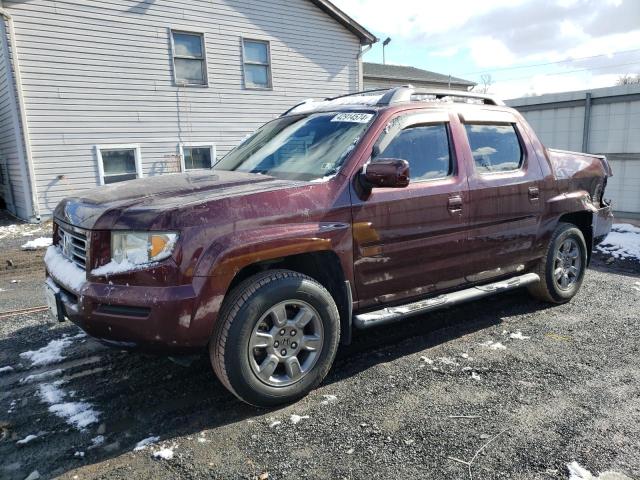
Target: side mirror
386 172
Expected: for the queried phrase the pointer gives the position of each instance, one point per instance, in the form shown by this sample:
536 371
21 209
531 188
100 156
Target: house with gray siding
377 75
602 121
102 91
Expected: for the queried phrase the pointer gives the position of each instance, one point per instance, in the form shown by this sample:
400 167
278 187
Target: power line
566 60
570 71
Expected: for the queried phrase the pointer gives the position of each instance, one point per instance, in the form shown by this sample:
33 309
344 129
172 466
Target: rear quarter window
495 148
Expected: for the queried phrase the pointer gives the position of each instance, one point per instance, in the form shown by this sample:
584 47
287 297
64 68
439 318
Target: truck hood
148 202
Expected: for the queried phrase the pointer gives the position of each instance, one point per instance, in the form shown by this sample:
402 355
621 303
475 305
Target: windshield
299 147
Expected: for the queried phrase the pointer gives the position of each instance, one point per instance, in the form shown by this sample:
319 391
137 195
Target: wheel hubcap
285 343
567 264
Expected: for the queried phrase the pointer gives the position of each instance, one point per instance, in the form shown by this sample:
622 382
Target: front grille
73 245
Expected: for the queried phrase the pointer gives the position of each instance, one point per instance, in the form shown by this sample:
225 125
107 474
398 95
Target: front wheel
562 268
276 338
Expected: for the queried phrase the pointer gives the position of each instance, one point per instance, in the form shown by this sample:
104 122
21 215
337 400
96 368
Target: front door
410 241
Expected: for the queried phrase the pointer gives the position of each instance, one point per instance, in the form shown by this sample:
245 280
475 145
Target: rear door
411 241
504 189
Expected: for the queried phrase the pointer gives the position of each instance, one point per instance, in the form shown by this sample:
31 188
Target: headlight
140 248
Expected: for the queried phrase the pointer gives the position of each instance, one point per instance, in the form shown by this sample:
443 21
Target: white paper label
353 117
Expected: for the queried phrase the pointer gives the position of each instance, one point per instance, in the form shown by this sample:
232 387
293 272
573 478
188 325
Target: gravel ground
413 400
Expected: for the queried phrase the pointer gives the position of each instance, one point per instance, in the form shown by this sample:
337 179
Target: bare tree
485 83
628 79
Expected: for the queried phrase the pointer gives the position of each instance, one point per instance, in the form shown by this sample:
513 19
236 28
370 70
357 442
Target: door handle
455 204
534 193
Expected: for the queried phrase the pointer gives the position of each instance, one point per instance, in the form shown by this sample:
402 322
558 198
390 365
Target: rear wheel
276 338
562 268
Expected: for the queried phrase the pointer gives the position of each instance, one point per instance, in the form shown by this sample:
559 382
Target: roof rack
328 99
406 92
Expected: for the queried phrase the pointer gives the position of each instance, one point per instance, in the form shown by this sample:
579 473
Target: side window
495 148
425 147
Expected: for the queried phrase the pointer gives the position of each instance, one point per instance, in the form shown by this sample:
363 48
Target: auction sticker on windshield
353 117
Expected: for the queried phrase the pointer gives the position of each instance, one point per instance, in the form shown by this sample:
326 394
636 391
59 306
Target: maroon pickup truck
347 213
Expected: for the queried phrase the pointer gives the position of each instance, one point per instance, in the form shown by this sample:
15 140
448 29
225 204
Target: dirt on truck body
347 213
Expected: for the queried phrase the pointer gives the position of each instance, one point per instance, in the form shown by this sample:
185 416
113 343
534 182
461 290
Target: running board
394 314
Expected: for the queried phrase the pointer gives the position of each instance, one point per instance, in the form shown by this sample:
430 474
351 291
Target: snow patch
63 270
114 268
622 242
37 377
20 229
27 439
493 345
426 360
6 369
295 419
274 424
78 414
448 361
164 454
50 393
38 243
475 376
79 454
329 399
51 353
97 441
519 336
576 472
142 444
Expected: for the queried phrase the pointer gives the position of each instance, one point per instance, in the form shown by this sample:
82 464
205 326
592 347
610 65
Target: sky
529 47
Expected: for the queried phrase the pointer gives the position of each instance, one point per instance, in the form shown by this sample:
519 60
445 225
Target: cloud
518 31
494 36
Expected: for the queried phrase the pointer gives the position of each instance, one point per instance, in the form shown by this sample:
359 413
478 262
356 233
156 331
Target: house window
257 64
197 157
495 148
189 58
118 163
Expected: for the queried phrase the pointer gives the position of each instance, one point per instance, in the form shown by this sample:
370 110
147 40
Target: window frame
246 62
426 122
205 68
523 150
137 153
182 146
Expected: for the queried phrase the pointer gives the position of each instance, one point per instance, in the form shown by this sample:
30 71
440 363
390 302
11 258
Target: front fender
229 254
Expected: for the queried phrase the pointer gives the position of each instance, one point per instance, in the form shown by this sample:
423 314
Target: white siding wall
373 83
99 72
16 193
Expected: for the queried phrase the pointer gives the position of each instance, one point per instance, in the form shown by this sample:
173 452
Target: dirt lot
414 400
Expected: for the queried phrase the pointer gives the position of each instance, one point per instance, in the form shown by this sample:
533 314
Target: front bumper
157 319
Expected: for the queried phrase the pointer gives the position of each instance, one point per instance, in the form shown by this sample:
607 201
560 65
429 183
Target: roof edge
366 37
453 79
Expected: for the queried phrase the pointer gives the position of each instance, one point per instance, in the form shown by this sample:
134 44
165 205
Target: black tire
549 289
239 317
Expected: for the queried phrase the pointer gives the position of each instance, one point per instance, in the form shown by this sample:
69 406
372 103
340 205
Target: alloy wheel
286 343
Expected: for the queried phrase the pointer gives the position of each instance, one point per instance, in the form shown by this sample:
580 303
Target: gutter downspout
15 60
360 67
